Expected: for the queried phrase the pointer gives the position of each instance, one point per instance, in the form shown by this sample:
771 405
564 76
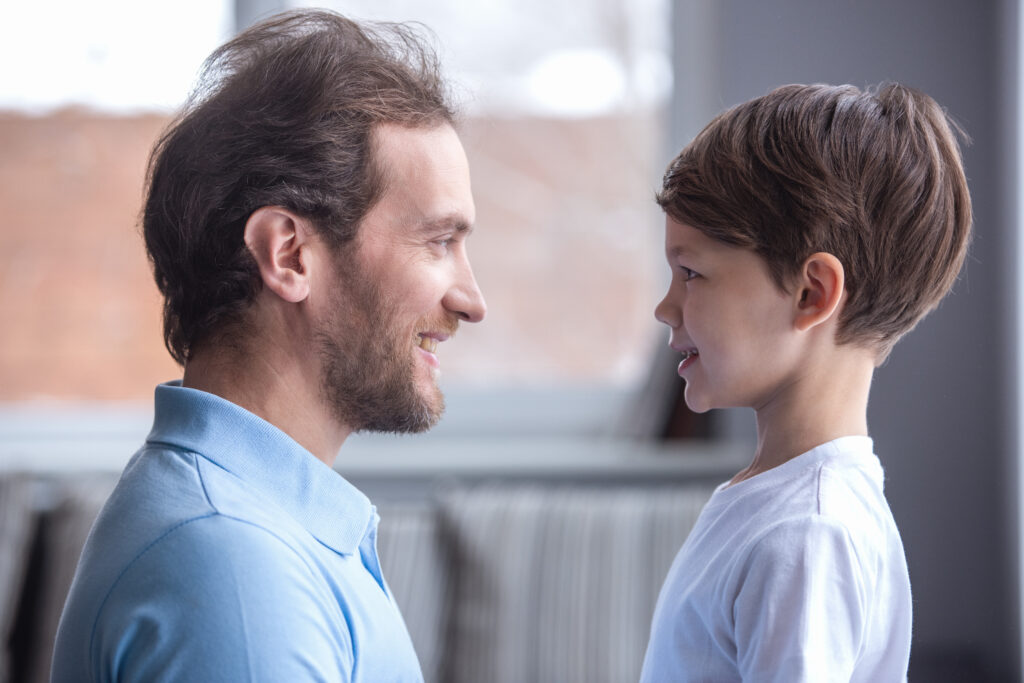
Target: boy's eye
688 274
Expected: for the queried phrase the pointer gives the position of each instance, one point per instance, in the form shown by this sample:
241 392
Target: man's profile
306 217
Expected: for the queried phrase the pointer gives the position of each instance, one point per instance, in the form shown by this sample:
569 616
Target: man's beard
369 370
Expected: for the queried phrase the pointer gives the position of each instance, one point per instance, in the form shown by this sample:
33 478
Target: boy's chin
696 402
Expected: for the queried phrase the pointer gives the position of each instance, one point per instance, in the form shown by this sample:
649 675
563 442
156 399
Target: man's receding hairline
376 165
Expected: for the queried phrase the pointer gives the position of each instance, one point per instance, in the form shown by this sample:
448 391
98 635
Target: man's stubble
368 376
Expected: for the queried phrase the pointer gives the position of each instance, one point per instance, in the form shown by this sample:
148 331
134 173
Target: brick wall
566 251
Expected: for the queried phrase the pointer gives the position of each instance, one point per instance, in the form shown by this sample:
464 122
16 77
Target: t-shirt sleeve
219 599
801 605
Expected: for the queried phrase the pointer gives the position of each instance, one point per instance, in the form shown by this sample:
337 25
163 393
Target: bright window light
110 55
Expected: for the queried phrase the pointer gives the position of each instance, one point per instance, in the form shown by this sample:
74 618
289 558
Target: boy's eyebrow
678 250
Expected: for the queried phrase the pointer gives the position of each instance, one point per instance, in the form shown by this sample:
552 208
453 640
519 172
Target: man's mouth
689 353
428 343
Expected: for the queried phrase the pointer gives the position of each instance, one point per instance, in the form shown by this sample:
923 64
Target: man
306 219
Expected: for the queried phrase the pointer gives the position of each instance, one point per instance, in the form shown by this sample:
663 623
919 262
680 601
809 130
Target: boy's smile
728 319
689 358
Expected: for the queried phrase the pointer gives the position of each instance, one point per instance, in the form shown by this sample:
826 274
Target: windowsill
530 435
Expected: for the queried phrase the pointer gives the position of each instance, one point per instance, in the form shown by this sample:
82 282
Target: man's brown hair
874 178
283 115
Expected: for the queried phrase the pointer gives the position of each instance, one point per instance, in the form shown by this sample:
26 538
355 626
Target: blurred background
571 110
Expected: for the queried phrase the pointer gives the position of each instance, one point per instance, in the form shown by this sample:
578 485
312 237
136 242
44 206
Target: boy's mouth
689 358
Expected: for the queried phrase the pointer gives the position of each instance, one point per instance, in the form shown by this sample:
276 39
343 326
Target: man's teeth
687 355
428 344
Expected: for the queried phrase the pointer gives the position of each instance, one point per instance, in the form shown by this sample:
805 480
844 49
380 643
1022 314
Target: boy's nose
668 314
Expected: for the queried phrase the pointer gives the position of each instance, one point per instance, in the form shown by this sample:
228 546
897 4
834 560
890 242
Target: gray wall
941 407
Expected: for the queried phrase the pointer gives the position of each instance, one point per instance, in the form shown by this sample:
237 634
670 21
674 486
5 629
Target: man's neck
823 404
283 393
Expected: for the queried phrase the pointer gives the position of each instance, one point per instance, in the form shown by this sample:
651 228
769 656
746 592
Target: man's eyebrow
455 223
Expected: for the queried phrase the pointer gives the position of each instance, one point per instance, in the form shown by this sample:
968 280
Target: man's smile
428 343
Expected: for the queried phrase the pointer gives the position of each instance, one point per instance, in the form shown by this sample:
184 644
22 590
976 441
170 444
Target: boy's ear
279 240
820 287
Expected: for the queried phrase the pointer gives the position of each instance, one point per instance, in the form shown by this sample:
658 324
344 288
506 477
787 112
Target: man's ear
820 288
279 241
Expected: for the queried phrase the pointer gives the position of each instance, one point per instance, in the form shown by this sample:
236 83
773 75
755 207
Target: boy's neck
828 400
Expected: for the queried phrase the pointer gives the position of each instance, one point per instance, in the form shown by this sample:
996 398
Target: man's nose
465 299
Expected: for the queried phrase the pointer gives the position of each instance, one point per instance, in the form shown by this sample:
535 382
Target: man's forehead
433 143
426 177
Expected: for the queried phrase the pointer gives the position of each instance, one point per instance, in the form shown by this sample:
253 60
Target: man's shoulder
200 553
203 573
218 591
166 486
158 490
176 518
160 481
213 565
179 506
216 550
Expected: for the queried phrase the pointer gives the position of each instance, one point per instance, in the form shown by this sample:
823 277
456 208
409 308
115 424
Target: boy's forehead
683 239
678 250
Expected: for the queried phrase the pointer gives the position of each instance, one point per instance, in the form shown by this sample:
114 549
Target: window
563 102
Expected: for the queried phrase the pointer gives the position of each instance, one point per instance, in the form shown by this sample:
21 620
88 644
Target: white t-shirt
796 574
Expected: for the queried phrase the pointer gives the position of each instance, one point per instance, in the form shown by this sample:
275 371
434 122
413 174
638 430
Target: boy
807 231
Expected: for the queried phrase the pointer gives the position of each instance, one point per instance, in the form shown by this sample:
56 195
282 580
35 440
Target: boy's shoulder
838 485
842 467
835 499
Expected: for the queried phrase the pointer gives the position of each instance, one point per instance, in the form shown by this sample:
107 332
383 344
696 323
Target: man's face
402 287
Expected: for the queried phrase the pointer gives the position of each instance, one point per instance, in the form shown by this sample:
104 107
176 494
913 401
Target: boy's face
730 321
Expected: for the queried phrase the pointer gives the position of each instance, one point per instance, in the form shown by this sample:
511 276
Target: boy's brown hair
873 177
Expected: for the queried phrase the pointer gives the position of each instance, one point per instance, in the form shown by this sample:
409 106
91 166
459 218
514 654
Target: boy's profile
807 231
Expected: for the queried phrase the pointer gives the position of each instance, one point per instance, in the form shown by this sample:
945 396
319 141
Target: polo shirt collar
269 461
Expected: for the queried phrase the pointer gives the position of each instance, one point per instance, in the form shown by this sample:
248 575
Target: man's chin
414 417
429 414
410 423
370 392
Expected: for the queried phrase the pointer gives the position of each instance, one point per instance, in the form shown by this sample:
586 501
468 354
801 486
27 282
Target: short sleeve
801 604
219 599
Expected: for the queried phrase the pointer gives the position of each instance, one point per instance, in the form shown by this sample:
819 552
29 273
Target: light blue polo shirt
228 552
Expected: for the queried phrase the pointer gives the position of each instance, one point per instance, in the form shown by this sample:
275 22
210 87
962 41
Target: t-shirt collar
855 451
276 467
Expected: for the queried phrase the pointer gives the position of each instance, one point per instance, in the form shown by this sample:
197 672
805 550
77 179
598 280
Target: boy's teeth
428 344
